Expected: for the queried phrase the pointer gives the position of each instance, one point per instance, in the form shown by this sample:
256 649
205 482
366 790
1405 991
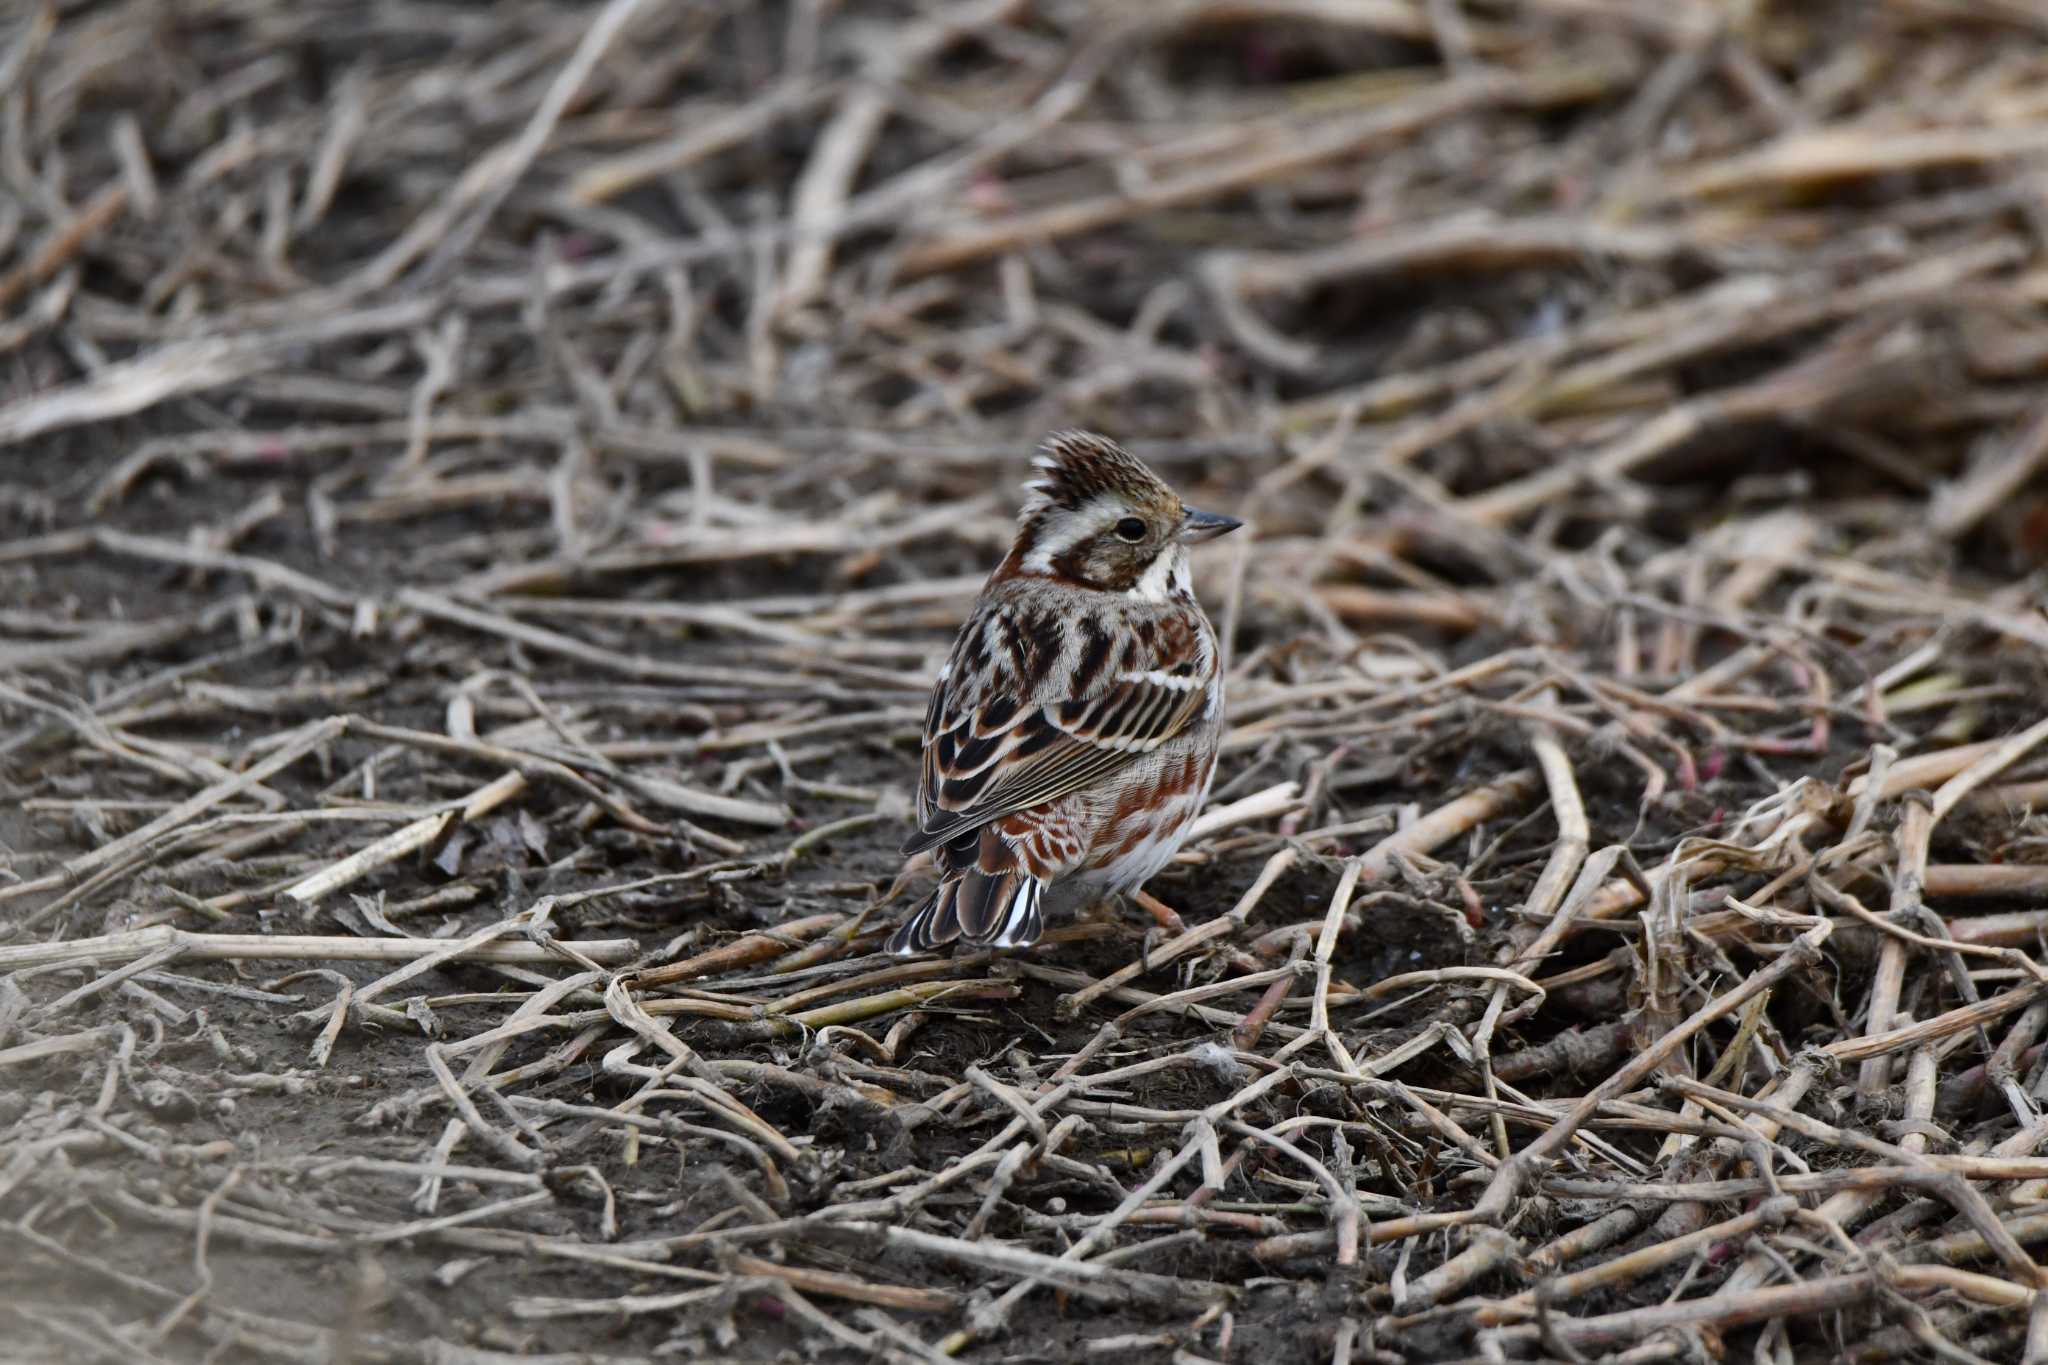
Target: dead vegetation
485 487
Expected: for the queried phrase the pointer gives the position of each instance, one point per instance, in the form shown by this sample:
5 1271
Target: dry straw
484 491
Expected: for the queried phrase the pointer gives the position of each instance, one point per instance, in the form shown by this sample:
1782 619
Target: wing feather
987 755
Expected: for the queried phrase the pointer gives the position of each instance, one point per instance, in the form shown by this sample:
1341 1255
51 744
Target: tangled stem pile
486 487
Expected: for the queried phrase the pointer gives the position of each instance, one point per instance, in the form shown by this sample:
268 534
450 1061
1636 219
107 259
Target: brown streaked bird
1072 733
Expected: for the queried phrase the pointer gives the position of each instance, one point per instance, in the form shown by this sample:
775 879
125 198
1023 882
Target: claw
1145 946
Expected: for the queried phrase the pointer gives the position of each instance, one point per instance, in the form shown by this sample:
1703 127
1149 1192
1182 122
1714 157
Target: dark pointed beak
1201 526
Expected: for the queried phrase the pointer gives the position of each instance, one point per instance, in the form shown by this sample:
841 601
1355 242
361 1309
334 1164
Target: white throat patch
1165 578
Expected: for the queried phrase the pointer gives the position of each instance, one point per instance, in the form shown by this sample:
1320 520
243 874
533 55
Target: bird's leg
1166 925
1159 910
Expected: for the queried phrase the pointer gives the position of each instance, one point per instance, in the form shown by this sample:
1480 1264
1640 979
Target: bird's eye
1130 529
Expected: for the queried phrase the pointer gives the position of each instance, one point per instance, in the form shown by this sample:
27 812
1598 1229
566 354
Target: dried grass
486 487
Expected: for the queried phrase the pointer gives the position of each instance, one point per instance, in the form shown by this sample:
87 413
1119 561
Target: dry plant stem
609 177
2000 757
420 834
1260 805
1618 898
1070 1006
1884 999
1516 1172
1951 881
1726 1310
837 1286
64 243
760 947
1245 1036
1326 945
996 1314
528 764
1962 1019
178 368
195 947
295 746
1559 872
1345 137
1587 1238
568 646
1959 506
1450 820
1817 1182
2037 1331
451 225
1088 1279
1909 1151
821 193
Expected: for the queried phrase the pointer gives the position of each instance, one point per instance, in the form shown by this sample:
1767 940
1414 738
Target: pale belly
1128 846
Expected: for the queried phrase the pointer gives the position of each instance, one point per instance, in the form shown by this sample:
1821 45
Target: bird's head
1099 519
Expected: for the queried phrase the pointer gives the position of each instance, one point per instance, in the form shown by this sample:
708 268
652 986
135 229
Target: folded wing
987 754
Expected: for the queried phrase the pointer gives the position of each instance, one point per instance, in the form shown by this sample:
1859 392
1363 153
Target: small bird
1072 733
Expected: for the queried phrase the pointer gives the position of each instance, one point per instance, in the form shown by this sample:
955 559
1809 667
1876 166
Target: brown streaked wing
981 693
974 773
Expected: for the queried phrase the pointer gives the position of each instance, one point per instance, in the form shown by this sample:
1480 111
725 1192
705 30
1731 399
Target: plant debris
486 489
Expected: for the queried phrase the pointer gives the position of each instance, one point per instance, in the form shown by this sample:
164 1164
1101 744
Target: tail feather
1024 921
984 902
937 921
1002 910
